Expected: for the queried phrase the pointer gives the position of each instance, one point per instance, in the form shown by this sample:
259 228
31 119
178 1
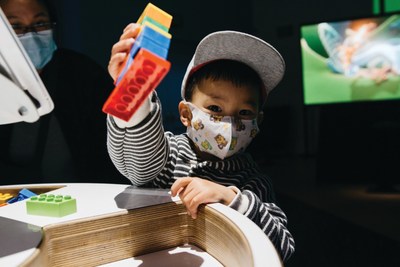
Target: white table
96 200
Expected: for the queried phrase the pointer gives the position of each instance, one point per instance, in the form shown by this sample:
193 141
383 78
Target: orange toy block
142 77
156 14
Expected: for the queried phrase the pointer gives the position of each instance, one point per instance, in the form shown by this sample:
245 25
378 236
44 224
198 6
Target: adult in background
69 144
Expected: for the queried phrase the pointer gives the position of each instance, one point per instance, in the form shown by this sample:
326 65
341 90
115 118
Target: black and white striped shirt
149 157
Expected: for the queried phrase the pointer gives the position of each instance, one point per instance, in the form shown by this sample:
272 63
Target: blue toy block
150 40
161 38
23 194
150 45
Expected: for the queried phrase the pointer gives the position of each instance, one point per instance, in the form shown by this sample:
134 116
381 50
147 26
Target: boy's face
223 98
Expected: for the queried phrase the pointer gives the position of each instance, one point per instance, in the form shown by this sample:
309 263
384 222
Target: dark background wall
290 129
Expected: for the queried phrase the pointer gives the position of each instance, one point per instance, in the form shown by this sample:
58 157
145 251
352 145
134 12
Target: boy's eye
214 108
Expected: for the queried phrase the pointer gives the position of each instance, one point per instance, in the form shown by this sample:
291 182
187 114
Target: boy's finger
179 183
115 64
131 31
122 46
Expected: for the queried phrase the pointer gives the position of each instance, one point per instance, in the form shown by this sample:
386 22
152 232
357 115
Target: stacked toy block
145 66
22 194
51 205
7 198
4 198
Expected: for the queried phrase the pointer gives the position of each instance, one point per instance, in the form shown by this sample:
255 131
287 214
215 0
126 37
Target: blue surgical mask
39 46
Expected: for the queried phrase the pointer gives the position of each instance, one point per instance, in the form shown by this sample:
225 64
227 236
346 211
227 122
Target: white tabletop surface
98 199
91 200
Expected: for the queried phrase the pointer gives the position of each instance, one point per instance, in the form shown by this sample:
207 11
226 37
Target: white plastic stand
15 104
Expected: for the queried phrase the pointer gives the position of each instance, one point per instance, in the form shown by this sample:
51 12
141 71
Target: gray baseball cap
242 47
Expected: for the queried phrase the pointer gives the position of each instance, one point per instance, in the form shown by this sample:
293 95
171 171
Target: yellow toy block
5 197
156 14
154 27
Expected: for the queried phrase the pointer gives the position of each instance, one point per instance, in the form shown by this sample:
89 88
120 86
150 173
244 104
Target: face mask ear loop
190 106
187 103
189 112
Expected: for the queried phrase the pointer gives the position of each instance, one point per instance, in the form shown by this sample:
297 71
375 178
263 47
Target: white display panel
18 78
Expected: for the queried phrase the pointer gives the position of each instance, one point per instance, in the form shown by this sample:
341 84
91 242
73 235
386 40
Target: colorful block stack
145 66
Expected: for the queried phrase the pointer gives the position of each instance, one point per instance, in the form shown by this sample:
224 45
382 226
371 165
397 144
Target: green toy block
155 23
51 205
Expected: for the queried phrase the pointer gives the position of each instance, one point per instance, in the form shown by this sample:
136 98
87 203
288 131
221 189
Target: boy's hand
121 49
194 191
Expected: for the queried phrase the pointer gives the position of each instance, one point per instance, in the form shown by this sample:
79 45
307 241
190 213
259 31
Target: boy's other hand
194 191
121 49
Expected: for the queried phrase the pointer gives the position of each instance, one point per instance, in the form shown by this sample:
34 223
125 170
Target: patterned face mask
221 136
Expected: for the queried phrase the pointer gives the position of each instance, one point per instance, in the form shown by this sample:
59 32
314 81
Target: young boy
223 91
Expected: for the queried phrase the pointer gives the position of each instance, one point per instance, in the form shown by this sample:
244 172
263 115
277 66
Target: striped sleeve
272 220
138 152
257 202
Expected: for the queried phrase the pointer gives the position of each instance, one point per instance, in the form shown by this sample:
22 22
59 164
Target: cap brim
242 47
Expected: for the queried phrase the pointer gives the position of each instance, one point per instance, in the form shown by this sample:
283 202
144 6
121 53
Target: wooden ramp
105 239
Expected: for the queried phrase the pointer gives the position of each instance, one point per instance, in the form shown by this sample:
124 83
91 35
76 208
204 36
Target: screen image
351 60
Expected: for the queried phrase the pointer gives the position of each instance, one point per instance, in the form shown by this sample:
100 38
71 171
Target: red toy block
143 76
